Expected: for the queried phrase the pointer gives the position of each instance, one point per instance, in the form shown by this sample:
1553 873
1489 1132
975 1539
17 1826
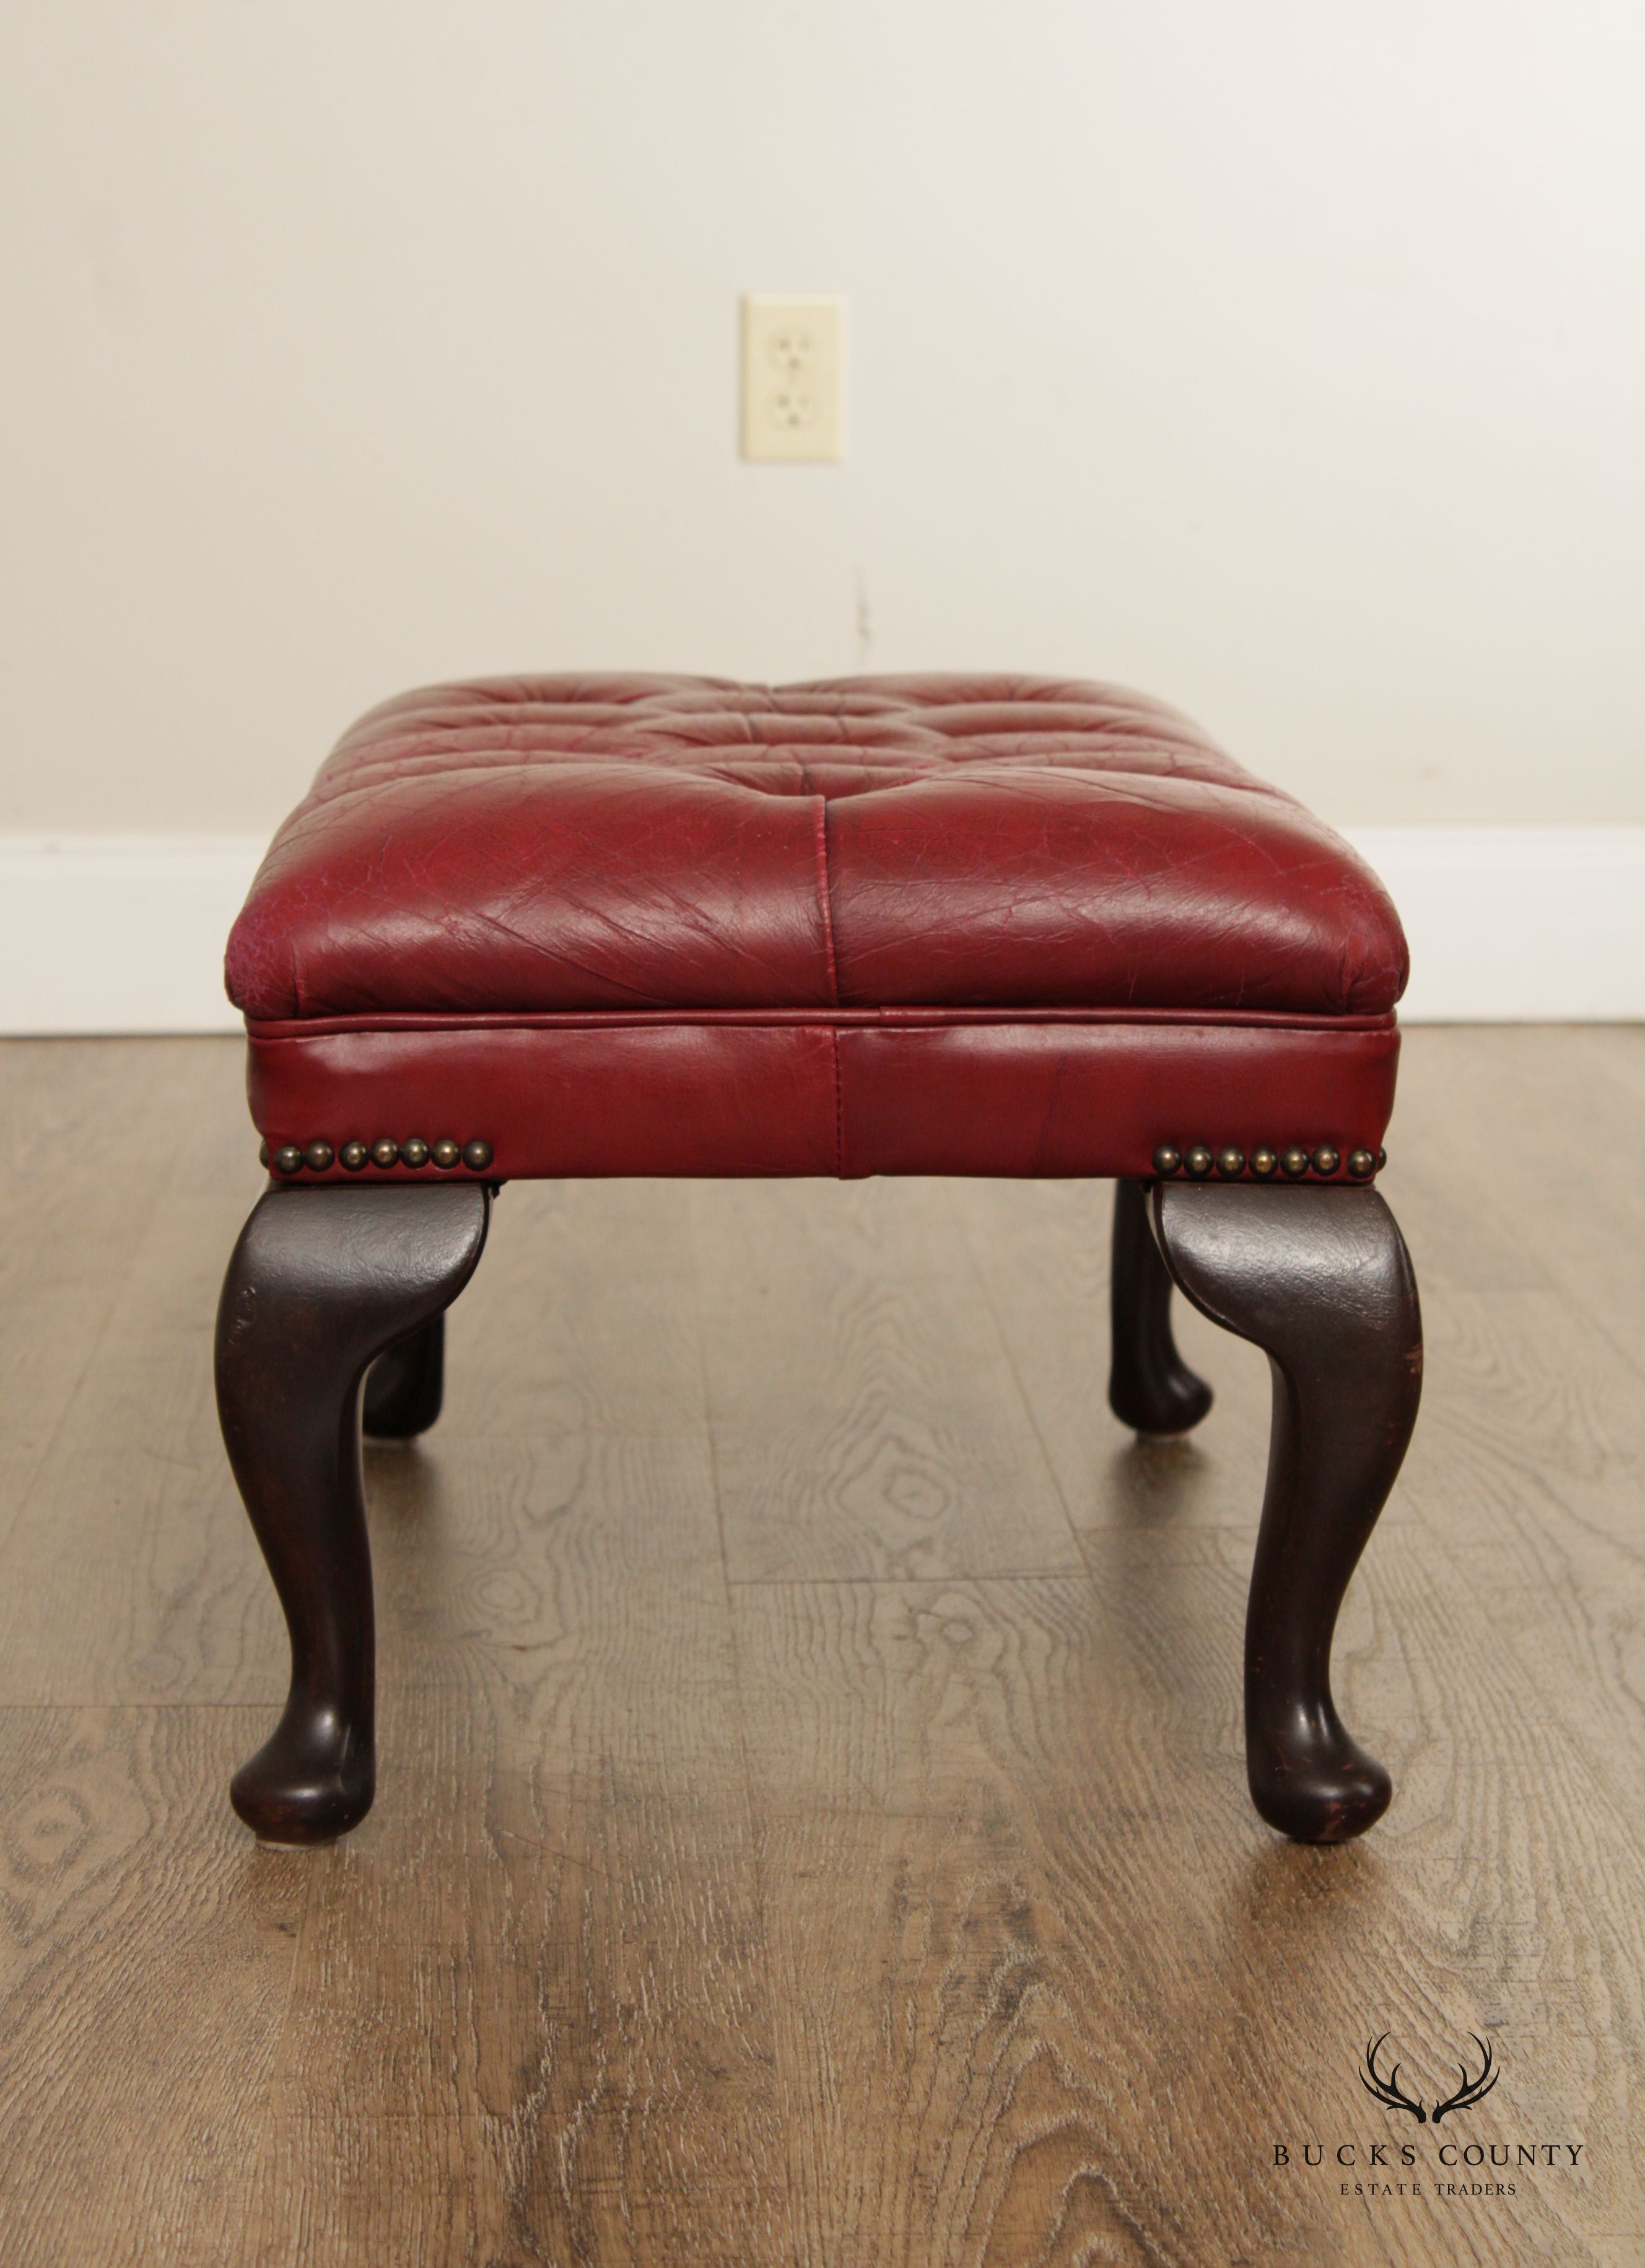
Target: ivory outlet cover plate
794 376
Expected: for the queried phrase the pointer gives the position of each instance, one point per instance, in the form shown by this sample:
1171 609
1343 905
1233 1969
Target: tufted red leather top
630 843
894 924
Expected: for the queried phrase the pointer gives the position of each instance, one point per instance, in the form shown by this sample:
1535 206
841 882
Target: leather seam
820 838
839 1106
285 1030
324 796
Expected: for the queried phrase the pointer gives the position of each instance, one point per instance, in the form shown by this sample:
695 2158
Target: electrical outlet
794 377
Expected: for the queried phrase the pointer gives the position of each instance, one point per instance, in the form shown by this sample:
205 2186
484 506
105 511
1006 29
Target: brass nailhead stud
413 1153
446 1154
1199 1161
353 1155
1263 1162
318 1156
262 1155
385 1154
476 1156
1167 1160
1362 1165
1325 1160
1296 1160
288 1159
1230 1164
1381 1161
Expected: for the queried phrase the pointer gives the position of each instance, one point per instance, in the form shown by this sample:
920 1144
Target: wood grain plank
559 1880
134 1576
866 1420
582 1313
1041 1250
90 1132
900 1903
949 2100
1505 1432
146 1951
1009 1752
1544 1126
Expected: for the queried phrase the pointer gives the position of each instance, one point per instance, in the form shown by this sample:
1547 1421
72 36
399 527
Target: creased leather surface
1046 1093
564 844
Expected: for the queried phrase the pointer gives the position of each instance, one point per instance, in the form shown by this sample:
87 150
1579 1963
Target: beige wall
1287 359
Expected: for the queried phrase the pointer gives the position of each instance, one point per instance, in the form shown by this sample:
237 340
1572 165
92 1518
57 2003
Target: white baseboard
1517 925
107 933
1507 924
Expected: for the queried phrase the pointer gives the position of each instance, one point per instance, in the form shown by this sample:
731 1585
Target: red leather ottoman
573 925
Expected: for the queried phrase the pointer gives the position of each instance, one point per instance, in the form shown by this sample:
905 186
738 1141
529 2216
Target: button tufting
543 844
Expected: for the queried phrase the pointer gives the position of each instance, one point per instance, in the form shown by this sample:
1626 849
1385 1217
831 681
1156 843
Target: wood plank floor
812 1827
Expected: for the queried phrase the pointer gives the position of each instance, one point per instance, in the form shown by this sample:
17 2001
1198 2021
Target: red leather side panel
919 1093
585 1097
1037 1100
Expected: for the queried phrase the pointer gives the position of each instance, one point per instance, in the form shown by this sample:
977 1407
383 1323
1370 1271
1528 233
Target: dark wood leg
1320 1279
406 1385
1149 1385
321 1281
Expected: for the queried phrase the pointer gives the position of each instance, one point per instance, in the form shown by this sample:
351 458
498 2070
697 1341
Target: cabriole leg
321 1282
1150 1386
1320 1279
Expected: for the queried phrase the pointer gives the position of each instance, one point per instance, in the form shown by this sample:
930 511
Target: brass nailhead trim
1232 1164
319 1156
